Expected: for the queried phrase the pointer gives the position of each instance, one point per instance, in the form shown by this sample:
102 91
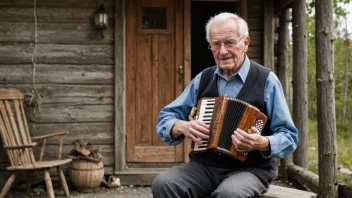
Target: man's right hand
194 129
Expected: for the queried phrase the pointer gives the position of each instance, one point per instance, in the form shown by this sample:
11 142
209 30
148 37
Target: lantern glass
101 18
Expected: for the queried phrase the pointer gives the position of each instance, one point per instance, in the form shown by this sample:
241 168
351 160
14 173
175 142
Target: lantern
101 19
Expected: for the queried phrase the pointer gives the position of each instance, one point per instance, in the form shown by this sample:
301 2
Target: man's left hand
245 142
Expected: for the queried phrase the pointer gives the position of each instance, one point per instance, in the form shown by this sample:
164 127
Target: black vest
252 92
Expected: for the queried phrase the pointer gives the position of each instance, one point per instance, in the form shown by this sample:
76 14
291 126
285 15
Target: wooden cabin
109 90
107 87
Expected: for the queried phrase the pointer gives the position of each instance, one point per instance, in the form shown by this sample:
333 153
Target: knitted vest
252 92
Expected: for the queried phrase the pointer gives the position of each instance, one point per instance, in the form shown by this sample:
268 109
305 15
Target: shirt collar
243 72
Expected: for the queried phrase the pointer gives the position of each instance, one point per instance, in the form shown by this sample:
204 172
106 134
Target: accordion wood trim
251 117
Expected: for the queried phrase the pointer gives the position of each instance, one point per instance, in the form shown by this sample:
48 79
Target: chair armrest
49 135
20 146
44 137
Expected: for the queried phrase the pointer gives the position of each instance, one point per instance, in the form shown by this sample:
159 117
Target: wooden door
154 53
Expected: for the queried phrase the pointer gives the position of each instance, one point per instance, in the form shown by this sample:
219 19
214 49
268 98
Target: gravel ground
120 192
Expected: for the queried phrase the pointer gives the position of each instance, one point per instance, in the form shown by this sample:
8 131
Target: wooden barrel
86 176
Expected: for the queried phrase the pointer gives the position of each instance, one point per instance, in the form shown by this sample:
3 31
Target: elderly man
235 75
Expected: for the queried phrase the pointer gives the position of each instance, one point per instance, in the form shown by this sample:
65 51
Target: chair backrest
13 127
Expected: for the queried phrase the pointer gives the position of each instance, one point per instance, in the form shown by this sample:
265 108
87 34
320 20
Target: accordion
225 115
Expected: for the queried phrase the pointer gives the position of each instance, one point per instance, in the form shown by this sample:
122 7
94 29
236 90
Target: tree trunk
300 81
325 82
283 69
347 54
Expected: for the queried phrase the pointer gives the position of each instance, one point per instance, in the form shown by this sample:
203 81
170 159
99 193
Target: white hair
241 24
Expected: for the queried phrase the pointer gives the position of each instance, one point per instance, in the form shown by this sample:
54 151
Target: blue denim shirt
285 135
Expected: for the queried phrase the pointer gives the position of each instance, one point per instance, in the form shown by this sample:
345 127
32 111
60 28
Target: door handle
180 74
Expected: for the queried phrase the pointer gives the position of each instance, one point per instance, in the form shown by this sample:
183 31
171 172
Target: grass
344 150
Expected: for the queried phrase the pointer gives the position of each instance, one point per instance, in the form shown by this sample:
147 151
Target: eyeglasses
227 44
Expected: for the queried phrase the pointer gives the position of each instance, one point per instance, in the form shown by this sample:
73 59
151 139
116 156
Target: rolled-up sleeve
179 109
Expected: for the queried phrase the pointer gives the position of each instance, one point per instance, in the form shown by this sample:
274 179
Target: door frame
120 75
187 49
174 13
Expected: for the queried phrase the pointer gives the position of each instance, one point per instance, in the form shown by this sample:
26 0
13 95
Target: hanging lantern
101 19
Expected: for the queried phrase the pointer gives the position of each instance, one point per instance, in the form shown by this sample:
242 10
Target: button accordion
225 115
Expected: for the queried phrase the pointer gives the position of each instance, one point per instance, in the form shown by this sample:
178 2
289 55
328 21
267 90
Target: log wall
74 70
256 30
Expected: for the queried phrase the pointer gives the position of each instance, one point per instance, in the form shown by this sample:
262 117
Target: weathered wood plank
58 113
52 150
100 133
55 33
51 14
269 30
284 192
187 64
53 73
255 24
255 9
256 39
179 60
143 55
119 91
154 154
130 68
13 53
69 93
255 52
57 3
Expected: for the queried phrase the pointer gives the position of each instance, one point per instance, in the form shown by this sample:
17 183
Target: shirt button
228 84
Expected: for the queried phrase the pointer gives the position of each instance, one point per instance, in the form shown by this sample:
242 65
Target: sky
349 17
348 8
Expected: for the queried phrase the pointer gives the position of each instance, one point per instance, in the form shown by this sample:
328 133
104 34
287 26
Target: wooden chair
19 146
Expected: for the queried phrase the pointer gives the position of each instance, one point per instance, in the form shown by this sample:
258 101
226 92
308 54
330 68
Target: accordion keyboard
205 115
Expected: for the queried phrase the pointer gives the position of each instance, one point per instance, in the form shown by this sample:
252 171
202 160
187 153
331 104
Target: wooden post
300 81
187 63
269 35
283 68
120 154
325 81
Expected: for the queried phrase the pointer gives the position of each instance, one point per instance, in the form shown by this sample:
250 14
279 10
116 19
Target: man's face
228 47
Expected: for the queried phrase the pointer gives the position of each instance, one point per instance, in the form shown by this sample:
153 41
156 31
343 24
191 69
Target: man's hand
194 129
245 142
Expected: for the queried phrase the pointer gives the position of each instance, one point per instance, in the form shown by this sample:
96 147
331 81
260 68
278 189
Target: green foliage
343 124
339 63
338 6
344 150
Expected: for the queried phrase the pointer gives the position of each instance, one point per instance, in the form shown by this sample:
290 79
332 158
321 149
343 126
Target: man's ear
246 43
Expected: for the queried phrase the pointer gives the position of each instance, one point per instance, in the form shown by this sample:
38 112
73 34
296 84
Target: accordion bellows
225 115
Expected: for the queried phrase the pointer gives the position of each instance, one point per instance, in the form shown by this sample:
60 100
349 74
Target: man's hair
219 18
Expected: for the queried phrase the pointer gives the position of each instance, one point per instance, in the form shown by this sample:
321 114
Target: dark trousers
197 180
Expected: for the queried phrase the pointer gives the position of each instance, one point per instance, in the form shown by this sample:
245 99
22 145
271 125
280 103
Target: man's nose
223 49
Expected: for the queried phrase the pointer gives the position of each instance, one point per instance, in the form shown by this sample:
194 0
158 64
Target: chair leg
8 185
49 184
63 181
